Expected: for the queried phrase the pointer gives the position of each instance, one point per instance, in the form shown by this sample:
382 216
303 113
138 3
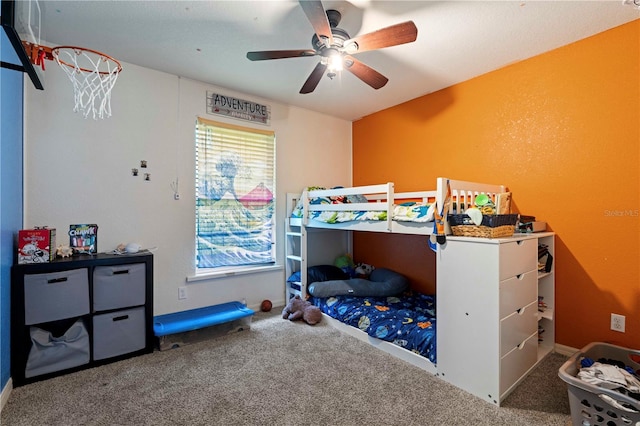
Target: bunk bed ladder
296 257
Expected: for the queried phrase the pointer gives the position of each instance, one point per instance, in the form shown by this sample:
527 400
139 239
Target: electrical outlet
182 293
617 322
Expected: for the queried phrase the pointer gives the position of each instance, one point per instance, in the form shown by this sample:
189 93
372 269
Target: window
235 201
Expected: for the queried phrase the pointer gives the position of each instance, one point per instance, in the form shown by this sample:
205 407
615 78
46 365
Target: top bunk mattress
411 211
375 207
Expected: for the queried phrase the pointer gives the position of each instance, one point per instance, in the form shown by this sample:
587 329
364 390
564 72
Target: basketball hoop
93 75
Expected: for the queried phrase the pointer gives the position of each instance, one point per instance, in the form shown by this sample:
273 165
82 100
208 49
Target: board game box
83 239
36 245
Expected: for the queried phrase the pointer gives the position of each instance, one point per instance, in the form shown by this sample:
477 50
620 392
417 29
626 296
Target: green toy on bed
346 264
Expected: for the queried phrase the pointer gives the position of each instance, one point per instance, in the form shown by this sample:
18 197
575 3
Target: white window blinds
235 200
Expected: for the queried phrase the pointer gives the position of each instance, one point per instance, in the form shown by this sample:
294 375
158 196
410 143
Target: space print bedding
381 305
407 320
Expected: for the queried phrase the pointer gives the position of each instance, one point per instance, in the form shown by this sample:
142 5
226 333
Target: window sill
212 274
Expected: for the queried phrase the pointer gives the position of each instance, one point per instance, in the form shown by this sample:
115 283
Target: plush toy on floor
301 309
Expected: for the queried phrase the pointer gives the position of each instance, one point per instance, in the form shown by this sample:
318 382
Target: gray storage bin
118 286
49 353
56 295
118 333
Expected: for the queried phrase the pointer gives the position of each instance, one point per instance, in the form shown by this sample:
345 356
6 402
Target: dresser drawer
517 327
517 362
118 333
518 257
118 286
517 292
56 295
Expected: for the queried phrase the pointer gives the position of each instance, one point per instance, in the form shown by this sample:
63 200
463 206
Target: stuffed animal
301 309
363 270
345 262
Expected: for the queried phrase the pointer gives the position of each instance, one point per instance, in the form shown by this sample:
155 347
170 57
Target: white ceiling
208 40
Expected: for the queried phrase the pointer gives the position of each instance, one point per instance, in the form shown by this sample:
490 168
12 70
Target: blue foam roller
195 319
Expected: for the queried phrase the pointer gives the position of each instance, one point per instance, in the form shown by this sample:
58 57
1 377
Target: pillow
325 273
357 198
382 283
382 275
349 287
320 273
294 278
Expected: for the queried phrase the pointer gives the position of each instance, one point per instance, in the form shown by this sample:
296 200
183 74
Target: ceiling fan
336 47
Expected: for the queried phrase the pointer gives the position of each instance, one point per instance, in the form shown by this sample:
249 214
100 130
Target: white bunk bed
381 198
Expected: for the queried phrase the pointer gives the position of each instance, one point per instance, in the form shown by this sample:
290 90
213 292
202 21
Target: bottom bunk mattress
407 320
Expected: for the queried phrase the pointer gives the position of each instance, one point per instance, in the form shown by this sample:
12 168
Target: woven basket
492 226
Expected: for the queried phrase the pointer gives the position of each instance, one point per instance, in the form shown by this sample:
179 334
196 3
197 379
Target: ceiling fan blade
279 54
318 17
394 35
313 80
365 73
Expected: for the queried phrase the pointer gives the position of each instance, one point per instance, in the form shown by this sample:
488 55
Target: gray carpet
277 373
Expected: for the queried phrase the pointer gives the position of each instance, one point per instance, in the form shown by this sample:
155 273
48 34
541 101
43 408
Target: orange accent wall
562 131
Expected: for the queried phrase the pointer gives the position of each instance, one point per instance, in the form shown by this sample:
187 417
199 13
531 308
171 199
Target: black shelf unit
124 293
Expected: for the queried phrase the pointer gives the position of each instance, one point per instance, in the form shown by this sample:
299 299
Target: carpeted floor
277 373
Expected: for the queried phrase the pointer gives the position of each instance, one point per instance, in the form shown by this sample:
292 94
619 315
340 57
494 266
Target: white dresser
491 332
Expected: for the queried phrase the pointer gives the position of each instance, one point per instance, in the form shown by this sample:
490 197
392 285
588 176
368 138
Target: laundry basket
592 405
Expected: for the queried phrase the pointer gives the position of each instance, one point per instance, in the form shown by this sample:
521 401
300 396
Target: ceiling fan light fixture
325 41
351 48
335 62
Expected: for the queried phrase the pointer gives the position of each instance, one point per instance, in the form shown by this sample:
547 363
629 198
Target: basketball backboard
21 22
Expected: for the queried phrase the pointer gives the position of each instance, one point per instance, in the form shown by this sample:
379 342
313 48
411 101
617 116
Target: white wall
78 170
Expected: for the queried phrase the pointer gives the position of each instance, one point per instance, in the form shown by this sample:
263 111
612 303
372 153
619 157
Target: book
83 239
36 245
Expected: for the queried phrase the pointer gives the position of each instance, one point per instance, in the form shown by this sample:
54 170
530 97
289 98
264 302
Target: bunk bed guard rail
383 193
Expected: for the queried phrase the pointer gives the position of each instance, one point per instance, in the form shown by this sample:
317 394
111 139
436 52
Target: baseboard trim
6 391
565 350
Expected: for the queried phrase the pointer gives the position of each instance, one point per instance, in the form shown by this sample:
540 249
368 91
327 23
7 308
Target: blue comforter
407 320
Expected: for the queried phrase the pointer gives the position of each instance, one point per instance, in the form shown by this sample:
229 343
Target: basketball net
93 75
